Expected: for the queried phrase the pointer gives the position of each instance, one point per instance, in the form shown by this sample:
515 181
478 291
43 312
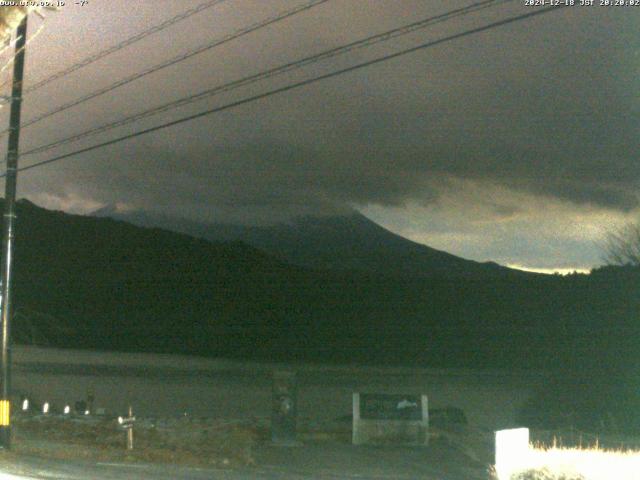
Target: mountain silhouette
99 283
347 242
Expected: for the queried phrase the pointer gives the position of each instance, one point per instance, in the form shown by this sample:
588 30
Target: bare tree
622 247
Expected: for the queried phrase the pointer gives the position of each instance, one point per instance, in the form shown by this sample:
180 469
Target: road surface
326 461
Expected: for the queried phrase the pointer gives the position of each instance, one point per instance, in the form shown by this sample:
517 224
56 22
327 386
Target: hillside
346 242
99 283
112 284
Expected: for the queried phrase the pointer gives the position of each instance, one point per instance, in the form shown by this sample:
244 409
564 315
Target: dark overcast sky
516 145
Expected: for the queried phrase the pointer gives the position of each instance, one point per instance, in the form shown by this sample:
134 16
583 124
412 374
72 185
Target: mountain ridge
99 283
350 242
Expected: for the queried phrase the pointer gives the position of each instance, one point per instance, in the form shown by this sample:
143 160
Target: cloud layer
535 114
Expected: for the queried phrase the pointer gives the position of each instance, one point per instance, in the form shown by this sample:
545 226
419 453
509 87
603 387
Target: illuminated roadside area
518 461
590 464
9 476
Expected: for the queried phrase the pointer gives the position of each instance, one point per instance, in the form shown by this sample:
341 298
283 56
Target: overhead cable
175 60
299 84
123 44
291 66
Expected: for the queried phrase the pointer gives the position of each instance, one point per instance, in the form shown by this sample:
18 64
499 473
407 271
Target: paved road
321 461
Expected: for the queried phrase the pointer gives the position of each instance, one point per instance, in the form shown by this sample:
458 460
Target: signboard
382 418
390 407
284 408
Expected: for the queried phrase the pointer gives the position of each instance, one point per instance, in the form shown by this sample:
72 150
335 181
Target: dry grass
544 474
586 463
559 463
187 443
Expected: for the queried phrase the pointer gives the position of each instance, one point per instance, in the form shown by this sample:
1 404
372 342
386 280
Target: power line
125 43
177 59
296 85
358 44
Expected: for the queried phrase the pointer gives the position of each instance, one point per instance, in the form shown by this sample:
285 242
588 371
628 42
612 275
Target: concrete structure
390 419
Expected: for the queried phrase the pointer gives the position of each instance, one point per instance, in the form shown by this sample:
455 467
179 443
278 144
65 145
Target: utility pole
6 306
